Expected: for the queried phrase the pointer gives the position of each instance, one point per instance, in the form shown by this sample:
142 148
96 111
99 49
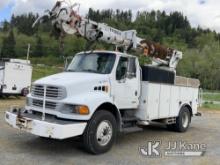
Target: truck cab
100 94
91 79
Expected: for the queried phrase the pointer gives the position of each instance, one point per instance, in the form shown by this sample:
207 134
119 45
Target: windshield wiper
90 70
70 70
85 70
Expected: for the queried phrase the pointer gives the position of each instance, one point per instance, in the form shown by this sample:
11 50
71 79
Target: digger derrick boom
67 20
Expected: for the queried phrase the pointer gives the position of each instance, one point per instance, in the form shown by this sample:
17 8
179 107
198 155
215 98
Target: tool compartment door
175 101
153 101
164 104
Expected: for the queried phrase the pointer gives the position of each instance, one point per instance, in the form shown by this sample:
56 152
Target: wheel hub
104 133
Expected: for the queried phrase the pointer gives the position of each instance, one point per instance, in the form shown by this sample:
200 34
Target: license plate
24 123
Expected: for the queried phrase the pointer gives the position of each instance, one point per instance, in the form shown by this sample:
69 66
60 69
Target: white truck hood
75 82
69 78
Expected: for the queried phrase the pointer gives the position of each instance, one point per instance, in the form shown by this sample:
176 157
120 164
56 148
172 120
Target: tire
43 138
100 133
182 121
24 92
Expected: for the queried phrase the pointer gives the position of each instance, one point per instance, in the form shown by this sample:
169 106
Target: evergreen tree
38 50
200 46
8 46
5 26
24 23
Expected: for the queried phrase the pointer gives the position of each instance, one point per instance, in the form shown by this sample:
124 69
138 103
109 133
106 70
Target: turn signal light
106 89
82 110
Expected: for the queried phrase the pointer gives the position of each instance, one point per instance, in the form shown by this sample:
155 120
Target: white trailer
15 77
103 93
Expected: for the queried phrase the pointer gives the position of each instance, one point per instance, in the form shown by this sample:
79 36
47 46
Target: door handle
136 93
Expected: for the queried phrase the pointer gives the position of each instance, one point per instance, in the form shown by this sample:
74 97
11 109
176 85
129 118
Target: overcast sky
205 13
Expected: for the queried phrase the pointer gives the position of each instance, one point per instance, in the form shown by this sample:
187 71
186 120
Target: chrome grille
52 92
48 104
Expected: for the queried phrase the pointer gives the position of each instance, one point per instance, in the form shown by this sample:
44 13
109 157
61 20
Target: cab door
127 83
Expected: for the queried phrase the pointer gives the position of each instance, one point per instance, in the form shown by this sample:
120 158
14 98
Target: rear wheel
100 133
182 121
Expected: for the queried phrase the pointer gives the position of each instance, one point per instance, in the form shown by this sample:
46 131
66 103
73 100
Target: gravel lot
20 148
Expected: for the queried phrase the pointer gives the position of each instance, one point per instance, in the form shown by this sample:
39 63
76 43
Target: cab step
129 119
131 129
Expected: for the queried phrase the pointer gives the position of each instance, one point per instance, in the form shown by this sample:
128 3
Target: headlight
81 109
76 109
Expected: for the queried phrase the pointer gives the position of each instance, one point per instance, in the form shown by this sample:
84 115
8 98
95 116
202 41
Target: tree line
201 47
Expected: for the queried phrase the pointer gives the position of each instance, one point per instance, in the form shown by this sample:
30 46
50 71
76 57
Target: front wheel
100 133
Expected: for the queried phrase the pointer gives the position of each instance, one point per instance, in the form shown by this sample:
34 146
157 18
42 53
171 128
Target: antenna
28 51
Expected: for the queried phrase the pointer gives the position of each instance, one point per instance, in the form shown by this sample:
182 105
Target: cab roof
106 51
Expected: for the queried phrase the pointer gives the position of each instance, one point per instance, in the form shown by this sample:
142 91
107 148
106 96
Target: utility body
102 93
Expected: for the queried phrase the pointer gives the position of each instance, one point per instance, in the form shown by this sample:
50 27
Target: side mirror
130 75
67 62
121 76
122 80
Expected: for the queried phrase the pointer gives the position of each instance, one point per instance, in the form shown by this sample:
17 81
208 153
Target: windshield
101 63
2 64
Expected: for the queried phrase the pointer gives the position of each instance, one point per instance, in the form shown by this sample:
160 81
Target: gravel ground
20 148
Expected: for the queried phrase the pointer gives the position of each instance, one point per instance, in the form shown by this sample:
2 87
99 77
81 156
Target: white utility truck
102 93
15 77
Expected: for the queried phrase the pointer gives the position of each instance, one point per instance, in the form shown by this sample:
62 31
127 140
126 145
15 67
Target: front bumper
49 128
